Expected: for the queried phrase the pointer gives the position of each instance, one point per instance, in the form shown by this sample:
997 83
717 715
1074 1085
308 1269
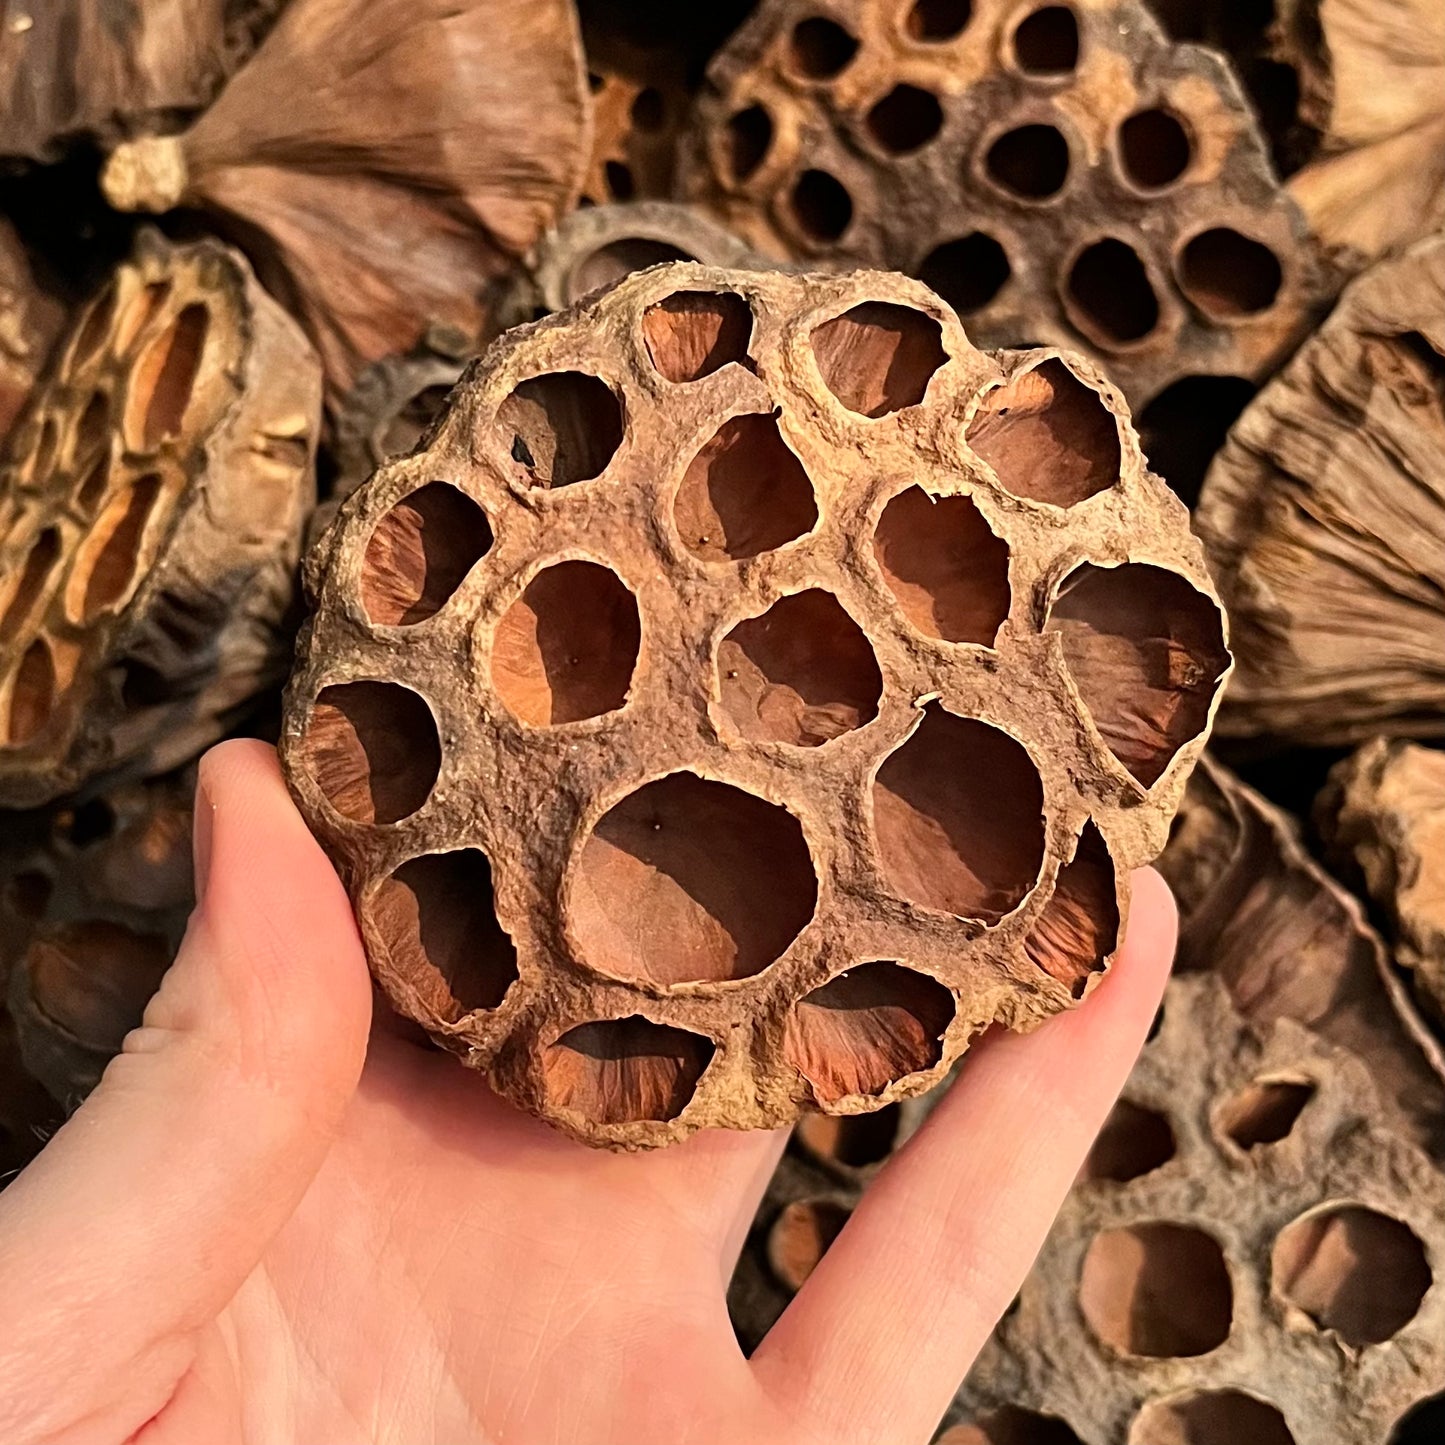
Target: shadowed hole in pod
92 980
905 119
1049 437
1146 652
437 923
621 258
419 553
819 49
958 810
1210 1417
800 1237
690 334
1046 43
89 822
621 184
1079 928
144 307
691 881
1112 293
93 488
1011 1426
39 564
373 750
821 205
1031 162
105 572
853 1141
866 1028
28 894
1423 1425
1352 1270
1133 1142
744 493
567 647
1266 1111
648 110
90 431
43 457
1186 424
944 565
1154 148
938 20
1227 275
878 357
163 379
747 142
801 673
32 695
1157 1289
967 273
622 1071
564 426
95 328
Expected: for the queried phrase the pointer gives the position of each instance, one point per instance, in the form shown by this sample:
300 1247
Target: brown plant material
1271 1281
1383 814
1324 521
1059 172
151 507
30 320
382 161
566 658
1290 943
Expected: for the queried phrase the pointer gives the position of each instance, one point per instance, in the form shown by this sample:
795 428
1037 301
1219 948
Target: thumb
143 1216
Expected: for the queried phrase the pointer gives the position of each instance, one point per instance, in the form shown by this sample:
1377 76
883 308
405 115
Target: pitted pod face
751 694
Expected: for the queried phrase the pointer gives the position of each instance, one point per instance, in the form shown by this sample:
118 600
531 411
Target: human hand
244 1237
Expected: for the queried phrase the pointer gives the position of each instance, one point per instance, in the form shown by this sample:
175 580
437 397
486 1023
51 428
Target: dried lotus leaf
1324 521
30 320
383 160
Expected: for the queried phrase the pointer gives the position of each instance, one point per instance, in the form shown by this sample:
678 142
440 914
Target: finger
147 1211
878 1340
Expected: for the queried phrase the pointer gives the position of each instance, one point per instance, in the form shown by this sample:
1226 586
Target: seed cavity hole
935 21
565 427
94 329
90 431
1266 1111
821 206
748 139
106 570
968 273
878 357
420 552
1046 44
1031 162
620 258
690 334
1079 928
905 119
1424 1424
1011 1425
1134 1141
622 1071
1210 1417
820 49
32 695
851 1141
39 565
1113 299
1154 148
1227 275
800 1237
1183 427
164 379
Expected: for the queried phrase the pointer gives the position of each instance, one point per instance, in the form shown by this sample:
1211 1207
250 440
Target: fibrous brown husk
1248 1257
802 683
1060 173
151 507
30 319
1383 813
1324 521
382 161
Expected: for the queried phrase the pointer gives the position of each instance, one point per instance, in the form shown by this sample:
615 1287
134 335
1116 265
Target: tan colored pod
801 682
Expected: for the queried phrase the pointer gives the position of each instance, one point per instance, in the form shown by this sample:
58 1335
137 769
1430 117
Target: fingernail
204 821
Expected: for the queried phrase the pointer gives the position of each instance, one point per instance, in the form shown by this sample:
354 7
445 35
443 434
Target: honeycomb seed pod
151 509
1249 1255
1383 815
30 320
675 640
1324 521
1058 171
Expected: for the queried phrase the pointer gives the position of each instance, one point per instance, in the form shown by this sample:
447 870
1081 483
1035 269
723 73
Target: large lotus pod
30 320
1324 520
801 682
1290 943
151 508
382 161
1058 172
1383 813
1249 1256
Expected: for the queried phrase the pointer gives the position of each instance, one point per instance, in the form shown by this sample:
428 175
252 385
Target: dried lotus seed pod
151 508
1249 1256
799 683
640 107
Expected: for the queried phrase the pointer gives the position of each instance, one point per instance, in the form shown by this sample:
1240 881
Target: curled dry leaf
795 804
1324 521
151 507
30 320
382 161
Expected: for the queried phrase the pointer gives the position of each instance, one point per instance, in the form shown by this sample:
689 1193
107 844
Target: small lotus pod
798 682
151 508
640 106
30 320
1383 814
1058 172
1324 521
1250 1255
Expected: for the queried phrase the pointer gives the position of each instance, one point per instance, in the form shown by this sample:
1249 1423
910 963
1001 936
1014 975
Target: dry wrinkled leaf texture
382 161
151 507
1324 521
1056 171
567 656
30 320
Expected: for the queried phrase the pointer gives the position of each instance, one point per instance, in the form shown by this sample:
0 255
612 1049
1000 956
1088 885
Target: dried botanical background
248 248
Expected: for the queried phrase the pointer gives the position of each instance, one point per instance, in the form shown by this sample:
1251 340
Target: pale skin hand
236 1243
